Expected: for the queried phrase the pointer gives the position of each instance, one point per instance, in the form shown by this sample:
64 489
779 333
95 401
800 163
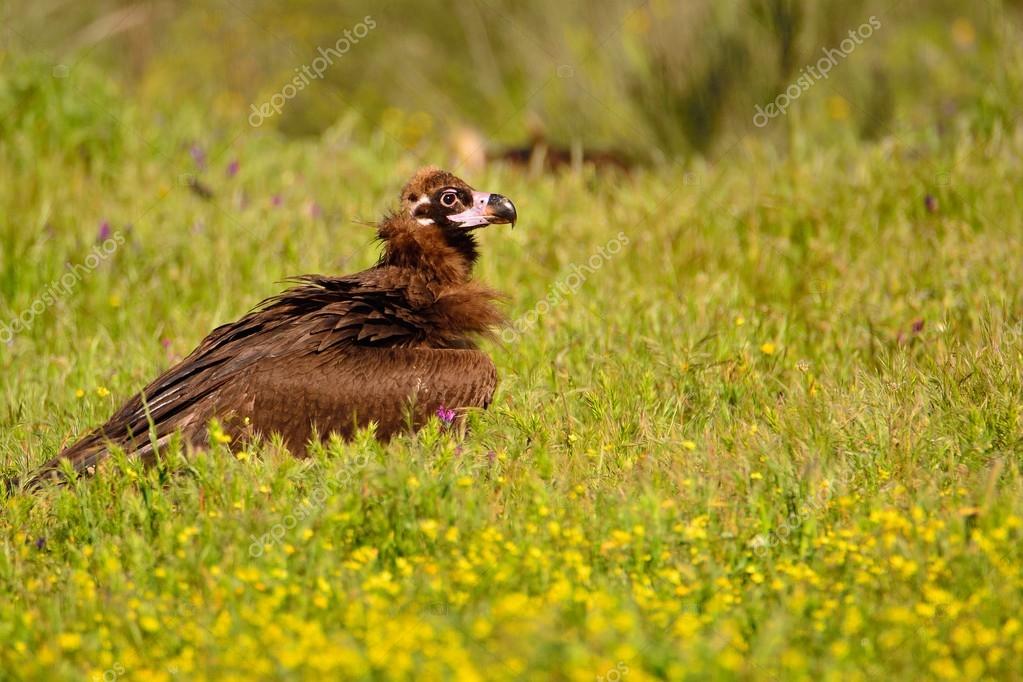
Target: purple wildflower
40 543
276 200
104 231
446 415
232 169
198 155
314 210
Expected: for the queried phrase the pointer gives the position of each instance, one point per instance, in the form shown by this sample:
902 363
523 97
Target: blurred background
620 82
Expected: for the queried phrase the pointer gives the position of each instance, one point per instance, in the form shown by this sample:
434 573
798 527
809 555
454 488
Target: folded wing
330 354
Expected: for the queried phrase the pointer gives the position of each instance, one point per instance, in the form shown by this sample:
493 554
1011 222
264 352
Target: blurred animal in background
538 155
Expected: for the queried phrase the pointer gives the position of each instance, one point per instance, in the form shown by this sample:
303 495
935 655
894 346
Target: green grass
777 434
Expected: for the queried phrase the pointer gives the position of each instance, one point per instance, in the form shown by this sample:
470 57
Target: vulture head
436 197
432 231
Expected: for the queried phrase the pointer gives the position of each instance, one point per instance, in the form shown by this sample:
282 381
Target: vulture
391 345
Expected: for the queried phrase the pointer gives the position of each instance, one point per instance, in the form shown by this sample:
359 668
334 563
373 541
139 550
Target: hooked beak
487 209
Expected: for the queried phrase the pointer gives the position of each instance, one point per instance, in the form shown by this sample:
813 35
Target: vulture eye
448 198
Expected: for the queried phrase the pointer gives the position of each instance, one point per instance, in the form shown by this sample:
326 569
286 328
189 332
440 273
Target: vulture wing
330 354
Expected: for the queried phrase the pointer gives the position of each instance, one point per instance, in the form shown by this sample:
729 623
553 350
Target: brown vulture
391 345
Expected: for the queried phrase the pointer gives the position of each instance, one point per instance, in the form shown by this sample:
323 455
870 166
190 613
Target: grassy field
761 418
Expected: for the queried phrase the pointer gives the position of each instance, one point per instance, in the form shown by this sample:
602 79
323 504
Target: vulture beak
487 209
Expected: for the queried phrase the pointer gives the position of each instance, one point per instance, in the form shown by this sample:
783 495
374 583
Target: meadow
760 415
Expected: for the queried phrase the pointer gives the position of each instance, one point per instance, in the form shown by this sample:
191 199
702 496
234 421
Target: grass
776 433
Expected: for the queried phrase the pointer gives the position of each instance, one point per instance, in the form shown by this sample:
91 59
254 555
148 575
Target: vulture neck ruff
447 256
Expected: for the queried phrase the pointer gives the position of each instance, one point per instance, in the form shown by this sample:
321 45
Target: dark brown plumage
389 345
